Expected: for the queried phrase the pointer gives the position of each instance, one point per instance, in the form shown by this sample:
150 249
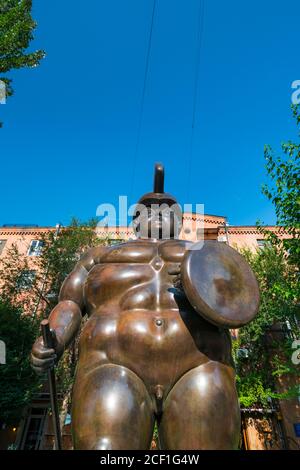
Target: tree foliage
284 191
268 338
16 33
18 382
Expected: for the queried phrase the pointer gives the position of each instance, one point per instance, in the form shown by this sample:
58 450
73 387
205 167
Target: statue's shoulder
130 251
174 247
176 242
92 256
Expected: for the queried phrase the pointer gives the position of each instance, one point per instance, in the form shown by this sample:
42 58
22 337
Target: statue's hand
174 270
42 358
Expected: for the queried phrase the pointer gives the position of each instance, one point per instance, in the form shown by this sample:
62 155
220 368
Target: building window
2 245
199 234
33 429
261 244
222 239
35 247
26 279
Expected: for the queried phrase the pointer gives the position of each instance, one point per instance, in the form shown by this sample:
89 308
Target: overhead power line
141 111
195 93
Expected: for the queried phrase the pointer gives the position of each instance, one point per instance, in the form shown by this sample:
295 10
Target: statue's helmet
157 214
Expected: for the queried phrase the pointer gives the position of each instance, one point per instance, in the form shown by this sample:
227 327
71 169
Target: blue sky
70 130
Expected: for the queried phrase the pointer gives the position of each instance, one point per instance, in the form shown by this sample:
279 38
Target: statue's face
158 221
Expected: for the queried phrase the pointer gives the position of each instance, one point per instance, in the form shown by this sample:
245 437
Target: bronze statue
157 344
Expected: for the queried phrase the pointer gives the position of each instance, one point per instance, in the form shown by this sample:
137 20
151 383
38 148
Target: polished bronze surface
220 284
112 409
201 411
145 353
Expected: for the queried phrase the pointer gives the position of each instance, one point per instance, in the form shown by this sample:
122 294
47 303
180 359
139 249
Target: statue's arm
65 318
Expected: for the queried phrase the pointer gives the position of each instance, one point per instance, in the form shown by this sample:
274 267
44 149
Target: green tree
18 382
268 339
16 33
284 192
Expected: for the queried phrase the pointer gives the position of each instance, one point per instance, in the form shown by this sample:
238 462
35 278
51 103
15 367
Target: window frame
37 250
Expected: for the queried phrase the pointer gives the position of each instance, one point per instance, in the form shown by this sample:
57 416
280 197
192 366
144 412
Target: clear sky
70 131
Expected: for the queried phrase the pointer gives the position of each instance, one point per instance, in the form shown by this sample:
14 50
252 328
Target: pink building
195 227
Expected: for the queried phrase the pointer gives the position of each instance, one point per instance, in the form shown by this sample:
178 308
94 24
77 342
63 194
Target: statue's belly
130 286
159 346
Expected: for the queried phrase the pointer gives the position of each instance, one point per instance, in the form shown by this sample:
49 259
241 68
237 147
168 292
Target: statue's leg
111 410
202 411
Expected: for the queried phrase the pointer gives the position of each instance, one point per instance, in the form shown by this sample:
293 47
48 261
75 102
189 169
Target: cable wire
195 94
141 112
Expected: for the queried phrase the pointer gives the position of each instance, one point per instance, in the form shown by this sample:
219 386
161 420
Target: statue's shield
220 284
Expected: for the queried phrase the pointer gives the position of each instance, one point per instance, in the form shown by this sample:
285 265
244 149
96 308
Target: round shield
220 284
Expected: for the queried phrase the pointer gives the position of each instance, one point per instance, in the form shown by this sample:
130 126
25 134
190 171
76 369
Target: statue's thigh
202 410
111 409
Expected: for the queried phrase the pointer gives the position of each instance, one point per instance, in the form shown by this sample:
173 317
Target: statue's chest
135 275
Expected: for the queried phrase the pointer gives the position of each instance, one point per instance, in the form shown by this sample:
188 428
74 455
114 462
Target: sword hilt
48 335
